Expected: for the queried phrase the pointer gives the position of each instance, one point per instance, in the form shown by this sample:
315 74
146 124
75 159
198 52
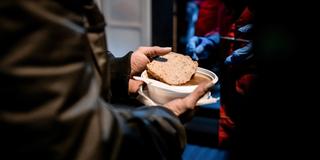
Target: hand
245 29
139 61
240 55
140 57
181 105
199 47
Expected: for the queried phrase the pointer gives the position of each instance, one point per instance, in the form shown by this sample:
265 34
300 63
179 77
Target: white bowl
162 93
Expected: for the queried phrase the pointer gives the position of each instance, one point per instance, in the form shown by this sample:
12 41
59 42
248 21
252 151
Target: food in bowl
172 68
162 93
198 78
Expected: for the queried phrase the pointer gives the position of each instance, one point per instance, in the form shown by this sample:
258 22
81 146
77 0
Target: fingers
202 89
154 51
195 57
140 58
215 39
193 42
191 46
179 106
138 62
228 60
200 48
134 85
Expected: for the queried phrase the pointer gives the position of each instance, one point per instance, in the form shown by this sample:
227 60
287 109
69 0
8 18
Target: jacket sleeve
51 106
119 76
147 133
114 71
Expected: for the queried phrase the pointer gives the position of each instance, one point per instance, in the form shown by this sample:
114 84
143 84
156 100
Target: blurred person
222 43
58 82
216 20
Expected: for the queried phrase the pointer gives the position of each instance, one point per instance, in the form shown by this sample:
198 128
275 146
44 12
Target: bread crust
172 68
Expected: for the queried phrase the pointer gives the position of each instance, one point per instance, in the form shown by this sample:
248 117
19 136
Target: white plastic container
161 93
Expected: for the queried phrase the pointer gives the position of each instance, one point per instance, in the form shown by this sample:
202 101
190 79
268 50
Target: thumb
200 48
193 41
202 89
195 57
179 106
134 85
155 51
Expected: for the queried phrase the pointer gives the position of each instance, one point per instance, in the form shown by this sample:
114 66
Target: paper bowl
162 93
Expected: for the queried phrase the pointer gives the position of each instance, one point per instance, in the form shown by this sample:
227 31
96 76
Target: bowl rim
147 100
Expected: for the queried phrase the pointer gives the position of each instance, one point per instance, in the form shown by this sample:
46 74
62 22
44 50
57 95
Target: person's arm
212 22
155 132
114 71
148 133
119 69
51 105
49 89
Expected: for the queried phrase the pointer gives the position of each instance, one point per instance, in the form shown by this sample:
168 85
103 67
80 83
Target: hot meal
173 68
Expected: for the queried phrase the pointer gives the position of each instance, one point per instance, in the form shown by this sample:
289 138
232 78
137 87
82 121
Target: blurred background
144 22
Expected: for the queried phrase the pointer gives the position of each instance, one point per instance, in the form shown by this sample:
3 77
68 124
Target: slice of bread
172 68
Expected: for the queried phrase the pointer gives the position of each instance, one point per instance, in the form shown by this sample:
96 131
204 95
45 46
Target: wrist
214 38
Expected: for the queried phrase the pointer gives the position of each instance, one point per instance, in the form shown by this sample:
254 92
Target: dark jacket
56 77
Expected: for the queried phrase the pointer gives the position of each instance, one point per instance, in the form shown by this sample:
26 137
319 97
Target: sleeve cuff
120 74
